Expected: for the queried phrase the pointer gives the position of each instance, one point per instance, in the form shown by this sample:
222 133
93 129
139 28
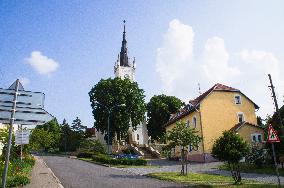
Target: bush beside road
18 171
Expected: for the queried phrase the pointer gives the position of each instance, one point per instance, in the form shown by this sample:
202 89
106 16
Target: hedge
108 160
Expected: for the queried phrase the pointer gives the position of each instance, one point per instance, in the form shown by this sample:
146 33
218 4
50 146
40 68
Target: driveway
80 174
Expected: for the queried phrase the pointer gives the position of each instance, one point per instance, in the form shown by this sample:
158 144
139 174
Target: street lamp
109 110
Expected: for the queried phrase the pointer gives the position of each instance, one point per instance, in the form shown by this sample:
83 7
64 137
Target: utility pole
281 126
276 104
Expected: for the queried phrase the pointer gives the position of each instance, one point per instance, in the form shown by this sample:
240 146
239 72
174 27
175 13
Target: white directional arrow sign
18 106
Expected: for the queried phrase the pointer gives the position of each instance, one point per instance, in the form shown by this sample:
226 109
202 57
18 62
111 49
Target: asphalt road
75 173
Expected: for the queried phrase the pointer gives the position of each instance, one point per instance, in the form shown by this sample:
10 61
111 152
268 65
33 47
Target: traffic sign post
22 138
18 106
273 137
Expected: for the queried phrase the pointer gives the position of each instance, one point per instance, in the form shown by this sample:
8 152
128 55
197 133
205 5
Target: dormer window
238 99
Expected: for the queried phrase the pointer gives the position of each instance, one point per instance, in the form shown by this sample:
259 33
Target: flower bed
19 172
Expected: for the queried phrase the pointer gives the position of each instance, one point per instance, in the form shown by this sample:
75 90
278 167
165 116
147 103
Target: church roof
123 51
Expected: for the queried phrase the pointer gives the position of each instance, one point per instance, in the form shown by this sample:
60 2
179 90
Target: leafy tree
159 110
231 148
4 135
183 136
115 92
41 139
53 128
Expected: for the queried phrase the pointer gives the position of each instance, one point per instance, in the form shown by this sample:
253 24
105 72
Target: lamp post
109 110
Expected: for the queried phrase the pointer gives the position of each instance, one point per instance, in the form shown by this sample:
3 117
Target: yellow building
216 110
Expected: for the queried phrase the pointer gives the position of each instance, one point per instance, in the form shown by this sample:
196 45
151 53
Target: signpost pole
22 143
4 177
275 162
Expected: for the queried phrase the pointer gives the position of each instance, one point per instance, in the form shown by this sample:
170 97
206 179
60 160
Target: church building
125 69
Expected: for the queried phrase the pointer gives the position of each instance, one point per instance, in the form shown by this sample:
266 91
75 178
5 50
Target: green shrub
17 180
18 173
108 160
86 154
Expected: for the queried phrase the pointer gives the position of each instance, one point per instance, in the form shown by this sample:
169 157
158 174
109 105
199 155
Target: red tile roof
216 87
193 104
237 126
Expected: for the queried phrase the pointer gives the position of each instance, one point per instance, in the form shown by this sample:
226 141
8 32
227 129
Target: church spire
123 51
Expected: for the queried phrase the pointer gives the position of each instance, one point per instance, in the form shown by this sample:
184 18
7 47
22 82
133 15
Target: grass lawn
206 180
249 168
119 166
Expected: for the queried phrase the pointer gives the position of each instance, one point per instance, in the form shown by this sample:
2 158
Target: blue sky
177 44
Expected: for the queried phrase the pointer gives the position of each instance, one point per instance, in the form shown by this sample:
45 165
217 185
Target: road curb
56 179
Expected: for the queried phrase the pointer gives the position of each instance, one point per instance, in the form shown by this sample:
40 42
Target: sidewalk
42 176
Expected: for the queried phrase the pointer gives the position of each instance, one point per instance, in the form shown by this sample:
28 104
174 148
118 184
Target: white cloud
175 55
181 70
216 59
255 67
41 63
24 81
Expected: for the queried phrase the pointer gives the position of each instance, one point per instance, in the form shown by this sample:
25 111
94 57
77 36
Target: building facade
216 110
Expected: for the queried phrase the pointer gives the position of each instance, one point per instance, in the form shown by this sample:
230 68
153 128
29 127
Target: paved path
42 176
80 174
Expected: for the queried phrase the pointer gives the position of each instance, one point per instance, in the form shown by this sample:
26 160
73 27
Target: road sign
22 137
25 98
29 106
35 116
20 107
272 135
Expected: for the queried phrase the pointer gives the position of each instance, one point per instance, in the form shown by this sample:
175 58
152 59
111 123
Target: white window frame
239 101
240 113
256 137
194 123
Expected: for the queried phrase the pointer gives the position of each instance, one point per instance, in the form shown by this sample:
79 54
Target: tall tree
77 126
159 110
65 140
183 136
231 148
109 94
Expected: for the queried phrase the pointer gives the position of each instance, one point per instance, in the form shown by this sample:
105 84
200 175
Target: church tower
123 67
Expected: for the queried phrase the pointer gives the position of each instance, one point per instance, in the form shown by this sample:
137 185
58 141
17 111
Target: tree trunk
182 161
235 171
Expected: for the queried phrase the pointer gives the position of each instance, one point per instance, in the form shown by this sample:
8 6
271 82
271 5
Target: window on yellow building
241 117
194 120
256 137
238 99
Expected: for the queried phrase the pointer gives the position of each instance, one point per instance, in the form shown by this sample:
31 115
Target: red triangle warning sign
272 135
